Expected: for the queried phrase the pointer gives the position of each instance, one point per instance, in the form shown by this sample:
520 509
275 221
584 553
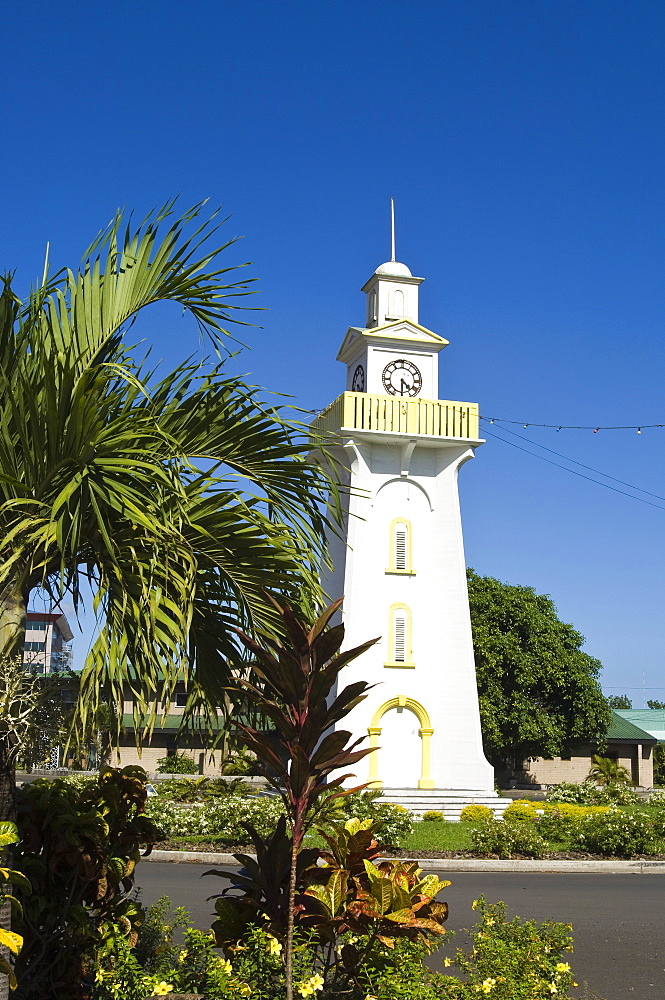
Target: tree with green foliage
619 701
607 771
177 497
653 704
539 693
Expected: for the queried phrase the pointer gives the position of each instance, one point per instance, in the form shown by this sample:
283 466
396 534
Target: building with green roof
628 741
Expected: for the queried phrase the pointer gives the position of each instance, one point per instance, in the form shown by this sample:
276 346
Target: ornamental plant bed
212 847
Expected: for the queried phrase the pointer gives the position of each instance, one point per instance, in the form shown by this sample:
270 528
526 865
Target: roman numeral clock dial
358 383
402 378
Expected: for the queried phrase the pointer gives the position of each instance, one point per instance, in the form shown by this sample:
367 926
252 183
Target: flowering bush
509 960
434 816
657 798
505 839
512 960
221 817
476 814
556 821
616 833
587 794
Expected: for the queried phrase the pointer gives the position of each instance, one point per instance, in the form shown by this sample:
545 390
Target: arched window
371 308
399 637
398 302
399 556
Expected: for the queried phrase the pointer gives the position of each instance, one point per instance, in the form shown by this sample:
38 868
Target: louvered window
400 637
400 546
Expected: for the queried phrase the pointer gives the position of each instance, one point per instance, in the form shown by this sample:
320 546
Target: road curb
454 864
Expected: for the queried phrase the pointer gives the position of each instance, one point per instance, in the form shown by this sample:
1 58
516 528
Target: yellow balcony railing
364 411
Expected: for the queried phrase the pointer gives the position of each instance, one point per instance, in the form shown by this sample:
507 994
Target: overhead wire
574 461
573 472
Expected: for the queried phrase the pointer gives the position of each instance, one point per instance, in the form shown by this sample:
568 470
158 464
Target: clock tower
400 564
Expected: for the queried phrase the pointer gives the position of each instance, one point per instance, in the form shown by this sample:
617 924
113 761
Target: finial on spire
392 229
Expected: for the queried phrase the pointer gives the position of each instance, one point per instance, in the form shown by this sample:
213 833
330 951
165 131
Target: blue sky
524 145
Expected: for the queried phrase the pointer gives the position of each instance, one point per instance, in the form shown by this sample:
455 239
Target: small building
627 743
168 739
47 645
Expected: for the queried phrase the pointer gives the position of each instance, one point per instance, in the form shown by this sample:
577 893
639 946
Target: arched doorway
402 772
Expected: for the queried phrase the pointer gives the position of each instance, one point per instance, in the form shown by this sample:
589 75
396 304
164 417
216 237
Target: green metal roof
623 729
651 720
171 723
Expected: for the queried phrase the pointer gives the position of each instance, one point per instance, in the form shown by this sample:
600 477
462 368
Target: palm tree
178 498
606 771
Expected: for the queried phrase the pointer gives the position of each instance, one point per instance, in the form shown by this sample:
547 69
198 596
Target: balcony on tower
430 418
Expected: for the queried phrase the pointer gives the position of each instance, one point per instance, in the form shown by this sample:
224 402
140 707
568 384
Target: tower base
449 801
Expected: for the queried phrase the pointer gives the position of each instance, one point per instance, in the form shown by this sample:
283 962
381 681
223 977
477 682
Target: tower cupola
392 291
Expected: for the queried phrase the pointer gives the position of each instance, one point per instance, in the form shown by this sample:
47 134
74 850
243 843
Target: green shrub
520 811
177 763
505 839
78 850
513 960
396 821
433 816
616 833
239 762
181 789
476 814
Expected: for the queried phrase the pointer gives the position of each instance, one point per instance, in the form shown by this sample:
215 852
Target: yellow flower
274 946
562 967
317 982
488 985
575 984
490 921
474 905
225 966
245 989
182 956
305 990
447 962
553 988
161 989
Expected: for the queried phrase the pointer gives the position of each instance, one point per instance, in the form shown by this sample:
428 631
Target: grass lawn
429 835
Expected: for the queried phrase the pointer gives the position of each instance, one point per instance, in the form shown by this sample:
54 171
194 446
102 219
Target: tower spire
392 229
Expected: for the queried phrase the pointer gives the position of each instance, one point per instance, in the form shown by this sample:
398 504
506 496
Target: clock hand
404 388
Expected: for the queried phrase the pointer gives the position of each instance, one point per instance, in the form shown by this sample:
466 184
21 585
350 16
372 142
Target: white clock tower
400 566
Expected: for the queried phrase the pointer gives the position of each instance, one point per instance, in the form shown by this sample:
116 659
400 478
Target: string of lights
589 468
574 427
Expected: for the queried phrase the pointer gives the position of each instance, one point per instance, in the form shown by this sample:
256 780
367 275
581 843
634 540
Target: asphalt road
618 920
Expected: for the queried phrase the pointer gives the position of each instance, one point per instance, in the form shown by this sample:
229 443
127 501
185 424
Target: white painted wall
443 678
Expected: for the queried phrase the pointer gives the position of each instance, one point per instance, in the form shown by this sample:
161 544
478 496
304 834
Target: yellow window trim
392 554
392 660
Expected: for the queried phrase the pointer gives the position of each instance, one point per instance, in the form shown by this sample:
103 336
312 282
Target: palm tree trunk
13 606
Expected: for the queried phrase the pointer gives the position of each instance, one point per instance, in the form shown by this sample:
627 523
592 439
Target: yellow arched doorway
425 732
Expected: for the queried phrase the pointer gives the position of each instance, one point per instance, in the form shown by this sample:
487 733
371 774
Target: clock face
402 378
358 381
